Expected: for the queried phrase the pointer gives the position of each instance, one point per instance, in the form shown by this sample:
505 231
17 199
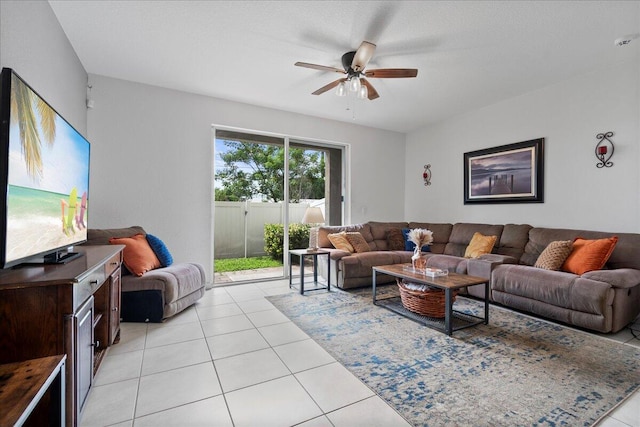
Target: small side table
301 253
22 385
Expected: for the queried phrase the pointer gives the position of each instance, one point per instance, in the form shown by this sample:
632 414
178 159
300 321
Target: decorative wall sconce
426 175
604 149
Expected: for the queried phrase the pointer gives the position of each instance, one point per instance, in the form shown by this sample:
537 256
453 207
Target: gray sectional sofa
603 300
159 293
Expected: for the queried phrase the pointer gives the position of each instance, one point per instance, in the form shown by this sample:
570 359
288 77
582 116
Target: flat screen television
44 178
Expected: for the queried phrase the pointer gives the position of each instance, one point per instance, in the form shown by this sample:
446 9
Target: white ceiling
469 54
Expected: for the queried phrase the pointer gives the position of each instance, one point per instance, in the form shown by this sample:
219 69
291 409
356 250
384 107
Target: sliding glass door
260 201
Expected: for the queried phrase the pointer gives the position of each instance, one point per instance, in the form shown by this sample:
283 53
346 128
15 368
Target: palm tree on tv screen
24 104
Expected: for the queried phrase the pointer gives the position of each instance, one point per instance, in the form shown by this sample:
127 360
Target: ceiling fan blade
363 56
391 73
330 86
372 93
319 67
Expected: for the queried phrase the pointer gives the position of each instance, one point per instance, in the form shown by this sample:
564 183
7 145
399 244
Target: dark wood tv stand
71 309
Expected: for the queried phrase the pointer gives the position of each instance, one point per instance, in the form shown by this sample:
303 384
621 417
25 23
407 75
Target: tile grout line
215 369
144 349
292 374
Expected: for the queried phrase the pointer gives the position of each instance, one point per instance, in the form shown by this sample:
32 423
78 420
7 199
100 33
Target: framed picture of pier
512 173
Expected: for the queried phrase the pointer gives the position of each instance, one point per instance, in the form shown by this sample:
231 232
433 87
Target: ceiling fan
354 64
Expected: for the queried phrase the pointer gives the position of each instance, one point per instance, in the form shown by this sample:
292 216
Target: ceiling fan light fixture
354 84
363 93
354 76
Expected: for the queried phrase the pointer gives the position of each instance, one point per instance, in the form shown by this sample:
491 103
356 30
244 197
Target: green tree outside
257 170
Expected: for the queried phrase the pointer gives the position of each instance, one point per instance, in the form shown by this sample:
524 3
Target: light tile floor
234 360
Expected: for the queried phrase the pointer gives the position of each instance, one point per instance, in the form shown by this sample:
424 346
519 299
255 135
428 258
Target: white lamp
354 84
363 93
342 89
313 215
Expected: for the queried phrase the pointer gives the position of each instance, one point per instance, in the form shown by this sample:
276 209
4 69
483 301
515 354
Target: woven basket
429 302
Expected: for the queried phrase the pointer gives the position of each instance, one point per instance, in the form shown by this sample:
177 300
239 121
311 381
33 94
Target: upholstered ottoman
159 293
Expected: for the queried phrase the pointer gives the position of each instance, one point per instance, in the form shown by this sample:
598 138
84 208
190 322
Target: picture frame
512 173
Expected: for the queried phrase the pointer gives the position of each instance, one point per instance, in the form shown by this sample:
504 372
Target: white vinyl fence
239 226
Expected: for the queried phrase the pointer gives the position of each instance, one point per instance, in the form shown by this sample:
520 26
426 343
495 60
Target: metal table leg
486 303
290 271
329 272
301 274
374 286
315 269
447 311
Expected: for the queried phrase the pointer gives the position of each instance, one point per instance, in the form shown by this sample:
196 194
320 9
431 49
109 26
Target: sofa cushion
137 255
357 241
451 263
325 230
555 288
395 239
554 255
441 233
360 265
588 255
409 245
378 231
480 245
462 233
181 285
513 240
626 254
340 241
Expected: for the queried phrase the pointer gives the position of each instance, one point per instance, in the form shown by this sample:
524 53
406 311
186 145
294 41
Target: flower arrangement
420 237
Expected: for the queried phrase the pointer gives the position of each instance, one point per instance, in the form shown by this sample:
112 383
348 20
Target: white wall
568 115
152 159
33 44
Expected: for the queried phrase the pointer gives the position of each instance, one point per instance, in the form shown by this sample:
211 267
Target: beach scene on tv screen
48 187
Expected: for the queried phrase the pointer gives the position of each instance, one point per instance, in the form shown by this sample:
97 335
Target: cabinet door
114 314
84 349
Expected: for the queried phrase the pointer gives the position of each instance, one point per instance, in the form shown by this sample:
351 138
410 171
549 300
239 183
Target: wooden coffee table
453 320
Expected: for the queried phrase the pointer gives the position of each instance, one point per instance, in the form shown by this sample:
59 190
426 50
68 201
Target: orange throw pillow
588 255
137 256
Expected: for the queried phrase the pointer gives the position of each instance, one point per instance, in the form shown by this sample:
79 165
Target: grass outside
240 264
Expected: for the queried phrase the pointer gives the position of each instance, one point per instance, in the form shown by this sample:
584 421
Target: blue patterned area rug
515 371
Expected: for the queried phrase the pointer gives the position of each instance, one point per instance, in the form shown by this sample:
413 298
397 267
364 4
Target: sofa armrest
500 259
618 278
336 254
484 265
174 281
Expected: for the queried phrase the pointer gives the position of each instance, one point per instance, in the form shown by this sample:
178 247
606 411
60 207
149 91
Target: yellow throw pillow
339 241
554 255
358 242
480 245
589 255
